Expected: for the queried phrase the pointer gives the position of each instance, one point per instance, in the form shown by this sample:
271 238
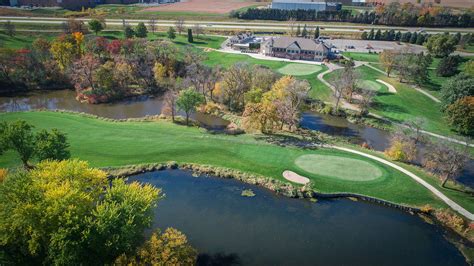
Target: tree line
393 14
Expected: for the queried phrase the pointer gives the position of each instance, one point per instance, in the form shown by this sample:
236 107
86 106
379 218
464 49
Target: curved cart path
418 179
390 87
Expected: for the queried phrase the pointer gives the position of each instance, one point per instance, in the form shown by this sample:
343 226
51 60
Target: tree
236 81
366 100
469 68
179 24
441 45
169 248
18 136
188 100
141 31
169 105
316 32
96 26
64 51
388 60
190 36
398 36
128 32
304 32
456 88
371 34
9 28
152 25
198 29
291 26
448 66
378 35
413 38
51 145
64 213
403 147
364 36
298 30
460 115
171 33
445 161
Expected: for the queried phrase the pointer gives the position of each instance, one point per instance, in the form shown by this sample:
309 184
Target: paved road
240 25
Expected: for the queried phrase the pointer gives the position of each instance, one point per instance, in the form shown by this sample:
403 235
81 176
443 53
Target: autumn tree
387 58
9 28
64 51
169 103
403 146
236 81
188 100
96 26
197 28
460 115
179 24
73 25
168 248
366 100
445 161
64 213
152 25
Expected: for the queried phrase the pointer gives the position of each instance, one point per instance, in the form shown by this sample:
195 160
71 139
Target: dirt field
450 3
206 6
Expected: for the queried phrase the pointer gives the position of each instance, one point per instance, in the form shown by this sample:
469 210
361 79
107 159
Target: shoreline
291 191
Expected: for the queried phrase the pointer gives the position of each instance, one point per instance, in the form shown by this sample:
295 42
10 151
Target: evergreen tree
141 31
364 36
316 32
378 35
304 33
413 37
398 36
190 36
128 32
371 34
171 33
384 36
391 35
420 39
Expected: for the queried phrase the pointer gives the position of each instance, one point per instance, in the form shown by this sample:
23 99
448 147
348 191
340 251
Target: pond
274 230
129 108
377 139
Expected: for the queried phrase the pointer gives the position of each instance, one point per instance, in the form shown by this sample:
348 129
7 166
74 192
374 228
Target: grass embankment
105 143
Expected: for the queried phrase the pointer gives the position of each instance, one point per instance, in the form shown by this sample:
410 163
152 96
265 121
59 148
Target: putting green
299 69
338 167
370 85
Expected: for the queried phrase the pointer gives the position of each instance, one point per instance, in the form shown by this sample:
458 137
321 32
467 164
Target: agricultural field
204 6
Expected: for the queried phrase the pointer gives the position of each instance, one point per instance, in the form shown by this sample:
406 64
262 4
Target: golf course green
371 85
339 167
299 69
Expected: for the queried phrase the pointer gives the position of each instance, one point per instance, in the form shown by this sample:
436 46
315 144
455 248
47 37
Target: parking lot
347 45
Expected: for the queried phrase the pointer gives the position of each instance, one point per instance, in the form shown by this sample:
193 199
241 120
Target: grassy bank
104 143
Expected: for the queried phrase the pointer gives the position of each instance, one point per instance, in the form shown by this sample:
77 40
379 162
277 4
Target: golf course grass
106 143
371 85
299 69
339 167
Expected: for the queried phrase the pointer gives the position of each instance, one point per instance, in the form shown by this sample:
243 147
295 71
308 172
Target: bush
460 115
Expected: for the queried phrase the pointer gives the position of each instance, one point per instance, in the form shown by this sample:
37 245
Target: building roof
302 43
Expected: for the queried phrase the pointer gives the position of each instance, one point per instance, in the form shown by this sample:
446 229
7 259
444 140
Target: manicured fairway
105 143
299 69
339 167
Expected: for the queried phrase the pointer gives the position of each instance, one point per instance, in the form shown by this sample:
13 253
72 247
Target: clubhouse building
295 48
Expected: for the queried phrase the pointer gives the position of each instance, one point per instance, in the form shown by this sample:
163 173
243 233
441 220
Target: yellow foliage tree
63 53
79 38
159 71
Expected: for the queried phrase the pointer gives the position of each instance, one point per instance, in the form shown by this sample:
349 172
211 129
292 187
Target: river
274 230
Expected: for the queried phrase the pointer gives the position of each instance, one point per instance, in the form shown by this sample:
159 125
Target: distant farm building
305 5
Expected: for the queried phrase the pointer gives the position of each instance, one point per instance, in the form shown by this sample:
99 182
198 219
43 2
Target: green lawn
404 105
299 69
366 57
22 39
105 143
